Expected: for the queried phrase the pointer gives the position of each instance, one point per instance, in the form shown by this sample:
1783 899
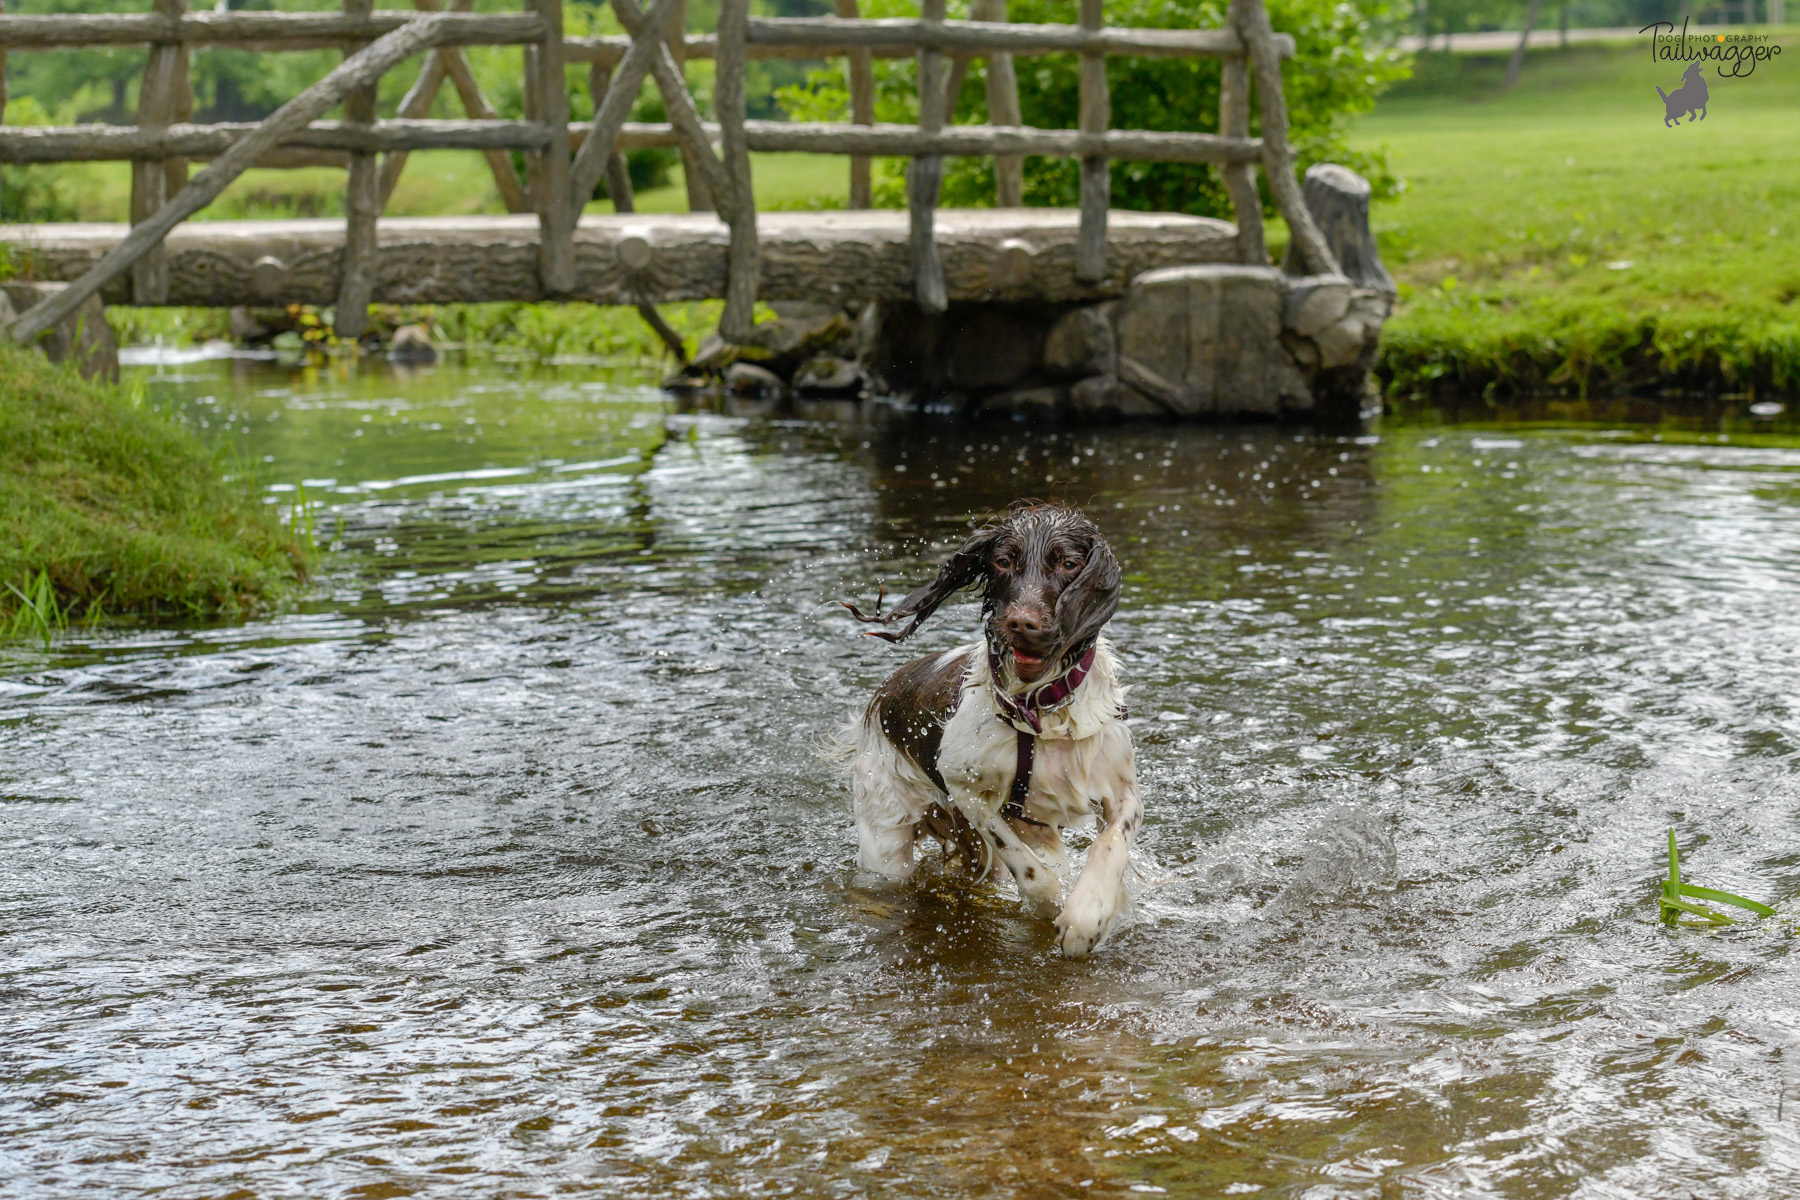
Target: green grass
1558 241
107 506
443 183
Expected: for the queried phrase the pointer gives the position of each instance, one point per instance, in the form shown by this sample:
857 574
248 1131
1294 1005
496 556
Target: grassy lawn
118 509
1560 237
448 183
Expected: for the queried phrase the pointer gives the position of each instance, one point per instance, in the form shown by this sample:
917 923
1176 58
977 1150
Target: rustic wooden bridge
550 250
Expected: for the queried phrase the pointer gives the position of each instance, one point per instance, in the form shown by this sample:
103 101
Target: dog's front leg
1099 894
1034 854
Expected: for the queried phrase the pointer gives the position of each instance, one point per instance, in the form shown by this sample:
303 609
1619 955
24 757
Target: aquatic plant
38 614
1671 904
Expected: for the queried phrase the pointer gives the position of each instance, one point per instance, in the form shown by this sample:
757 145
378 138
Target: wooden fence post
1096 176
1240 178
858 66
360 70
547 101
362 208
925 178
1252 26
693 174
150 178
1002 109
739 317
619 92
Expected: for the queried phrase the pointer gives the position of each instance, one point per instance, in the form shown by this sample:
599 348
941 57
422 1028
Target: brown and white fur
934 756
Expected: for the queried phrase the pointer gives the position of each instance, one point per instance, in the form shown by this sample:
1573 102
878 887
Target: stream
507 862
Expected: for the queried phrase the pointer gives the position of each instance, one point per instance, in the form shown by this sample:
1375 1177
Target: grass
1558 243
443 183
108 507
1677 897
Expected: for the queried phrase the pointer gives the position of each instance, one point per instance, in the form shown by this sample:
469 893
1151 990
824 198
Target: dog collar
1028 706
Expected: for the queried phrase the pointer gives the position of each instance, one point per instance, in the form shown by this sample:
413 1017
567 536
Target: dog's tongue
1027 665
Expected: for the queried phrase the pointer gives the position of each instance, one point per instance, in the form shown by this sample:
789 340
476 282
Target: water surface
506 862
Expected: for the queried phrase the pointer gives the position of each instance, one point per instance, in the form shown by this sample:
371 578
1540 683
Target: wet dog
995 747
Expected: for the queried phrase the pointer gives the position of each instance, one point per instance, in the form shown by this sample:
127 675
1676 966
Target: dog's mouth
1029 667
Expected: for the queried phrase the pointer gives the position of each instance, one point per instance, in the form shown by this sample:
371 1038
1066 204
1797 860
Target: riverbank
1562 255
122 510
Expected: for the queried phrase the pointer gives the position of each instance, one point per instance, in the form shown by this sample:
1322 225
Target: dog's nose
1024 623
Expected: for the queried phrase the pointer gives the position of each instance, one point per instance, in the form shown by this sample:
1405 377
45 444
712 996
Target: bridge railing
566 161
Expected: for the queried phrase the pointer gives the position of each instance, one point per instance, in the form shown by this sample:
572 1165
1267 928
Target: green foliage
1677 898
1338 71
106 502
42 192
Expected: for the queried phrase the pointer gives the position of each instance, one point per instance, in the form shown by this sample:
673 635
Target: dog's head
1048 583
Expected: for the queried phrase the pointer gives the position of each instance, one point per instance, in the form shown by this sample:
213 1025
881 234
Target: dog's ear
968 565
1091 598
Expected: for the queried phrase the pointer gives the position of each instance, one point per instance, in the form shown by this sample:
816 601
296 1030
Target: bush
1336 73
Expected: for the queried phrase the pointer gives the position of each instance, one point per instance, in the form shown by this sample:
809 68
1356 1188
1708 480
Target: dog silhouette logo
1688 100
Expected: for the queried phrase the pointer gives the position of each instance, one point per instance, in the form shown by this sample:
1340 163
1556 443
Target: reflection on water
506 864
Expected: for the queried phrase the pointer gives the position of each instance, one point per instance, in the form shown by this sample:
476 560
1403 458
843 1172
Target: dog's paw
1085 921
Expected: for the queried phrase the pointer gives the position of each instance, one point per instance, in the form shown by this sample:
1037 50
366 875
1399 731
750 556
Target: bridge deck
1019 254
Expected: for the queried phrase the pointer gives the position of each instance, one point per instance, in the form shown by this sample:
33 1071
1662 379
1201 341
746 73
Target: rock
1207 340
82 337
828 375
412 344
1341 344
1031 404
1338 199
786 342
748 379
1081 343
246 330
1109 398
1315 301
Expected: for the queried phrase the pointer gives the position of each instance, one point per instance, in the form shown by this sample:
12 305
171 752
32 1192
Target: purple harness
1024 709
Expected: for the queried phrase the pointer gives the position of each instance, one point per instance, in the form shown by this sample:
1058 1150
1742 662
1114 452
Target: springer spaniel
994 747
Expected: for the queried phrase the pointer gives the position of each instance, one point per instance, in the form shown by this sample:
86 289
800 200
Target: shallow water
506 863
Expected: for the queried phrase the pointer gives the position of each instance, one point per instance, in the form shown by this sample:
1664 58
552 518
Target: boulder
1206 340
83 337
828 375
1109 398
748 379
411 345
1035 405
1081 343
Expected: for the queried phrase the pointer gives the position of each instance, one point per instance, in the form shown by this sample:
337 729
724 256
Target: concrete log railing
566 161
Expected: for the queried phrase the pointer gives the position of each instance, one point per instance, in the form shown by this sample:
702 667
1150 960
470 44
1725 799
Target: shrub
1337 72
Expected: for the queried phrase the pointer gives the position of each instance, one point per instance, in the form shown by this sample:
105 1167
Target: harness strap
1014 808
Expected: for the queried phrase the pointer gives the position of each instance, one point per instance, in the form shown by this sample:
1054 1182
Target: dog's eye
1072 564
1003 563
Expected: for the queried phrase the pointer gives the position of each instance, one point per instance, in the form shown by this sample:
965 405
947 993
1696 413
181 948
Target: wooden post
1251 21
547 100
361 70
618 189
362 206
150 178
619 94
691 133
1096 178
862 108
739 317
1240 178
693 174
925 178
1002 108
